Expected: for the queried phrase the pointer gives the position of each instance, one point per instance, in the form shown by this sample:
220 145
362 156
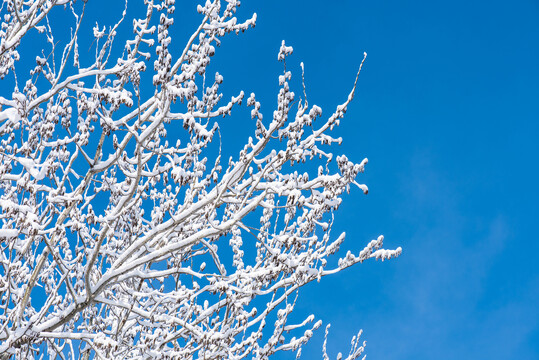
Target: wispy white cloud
439 293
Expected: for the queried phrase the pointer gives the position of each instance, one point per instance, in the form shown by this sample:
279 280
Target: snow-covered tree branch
124 233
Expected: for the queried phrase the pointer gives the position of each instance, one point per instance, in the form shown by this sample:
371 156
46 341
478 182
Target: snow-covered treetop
124 234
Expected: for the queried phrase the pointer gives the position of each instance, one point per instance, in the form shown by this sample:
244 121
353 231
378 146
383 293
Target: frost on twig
124 234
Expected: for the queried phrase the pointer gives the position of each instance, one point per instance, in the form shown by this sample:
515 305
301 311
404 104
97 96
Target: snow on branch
123 232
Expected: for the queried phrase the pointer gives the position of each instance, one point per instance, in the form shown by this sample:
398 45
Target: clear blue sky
447 112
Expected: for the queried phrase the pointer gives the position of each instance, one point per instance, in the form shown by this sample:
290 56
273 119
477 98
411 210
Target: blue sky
447 113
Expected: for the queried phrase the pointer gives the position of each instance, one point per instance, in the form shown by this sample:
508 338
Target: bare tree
120 241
